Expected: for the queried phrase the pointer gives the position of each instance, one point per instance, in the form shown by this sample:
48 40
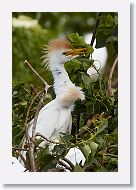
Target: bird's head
59 51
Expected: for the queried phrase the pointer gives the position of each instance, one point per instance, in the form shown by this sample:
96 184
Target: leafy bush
94 121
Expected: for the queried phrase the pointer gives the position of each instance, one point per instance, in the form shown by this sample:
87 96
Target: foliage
107 30
63 22
95 120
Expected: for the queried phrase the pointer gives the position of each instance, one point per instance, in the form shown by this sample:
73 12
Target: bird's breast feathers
69 95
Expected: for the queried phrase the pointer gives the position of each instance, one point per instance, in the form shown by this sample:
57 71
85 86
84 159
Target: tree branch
45 83
53 142
26 126
31 141
69 162
34 90
15 148
23 159
94 32
65 165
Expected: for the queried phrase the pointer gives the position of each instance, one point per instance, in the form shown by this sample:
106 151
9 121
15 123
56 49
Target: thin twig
26 137
32 140
23 159
36 117
110 76
97 70
45 83
27 116
65 165
34 90
50 141
69 162
17 148
111 155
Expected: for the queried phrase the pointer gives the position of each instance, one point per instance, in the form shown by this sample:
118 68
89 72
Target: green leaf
109 21
69 67
85 150
16 131
89 50
17 134
18 86
111 39
93 147
85 60
86 79
78 41
102 126
76 65
38 141
67 137
59 149
78 168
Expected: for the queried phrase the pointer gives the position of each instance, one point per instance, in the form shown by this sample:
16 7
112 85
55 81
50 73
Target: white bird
55 117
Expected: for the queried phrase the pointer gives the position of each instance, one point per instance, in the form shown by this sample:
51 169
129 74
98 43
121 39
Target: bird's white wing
64 123
52 121
47 120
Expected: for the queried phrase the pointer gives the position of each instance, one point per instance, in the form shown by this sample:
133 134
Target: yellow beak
73 52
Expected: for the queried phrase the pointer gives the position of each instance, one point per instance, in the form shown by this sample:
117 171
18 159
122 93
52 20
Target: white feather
53 120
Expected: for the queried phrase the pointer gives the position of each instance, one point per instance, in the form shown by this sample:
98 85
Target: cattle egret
55 117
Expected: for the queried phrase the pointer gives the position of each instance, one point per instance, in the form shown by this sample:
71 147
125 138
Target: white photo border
123 174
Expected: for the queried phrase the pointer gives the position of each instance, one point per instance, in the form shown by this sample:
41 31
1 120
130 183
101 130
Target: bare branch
27 116
31 141
69 162
53 142
97 70
23 159
26 138
36 117
34 90
17 148
45 83
110 76
65 165
94 32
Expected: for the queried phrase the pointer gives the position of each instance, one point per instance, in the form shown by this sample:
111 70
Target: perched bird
55 117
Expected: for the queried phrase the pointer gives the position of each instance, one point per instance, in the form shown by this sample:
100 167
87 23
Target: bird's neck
60 77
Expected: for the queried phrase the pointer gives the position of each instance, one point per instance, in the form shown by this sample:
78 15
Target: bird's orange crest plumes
59 44
53 45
